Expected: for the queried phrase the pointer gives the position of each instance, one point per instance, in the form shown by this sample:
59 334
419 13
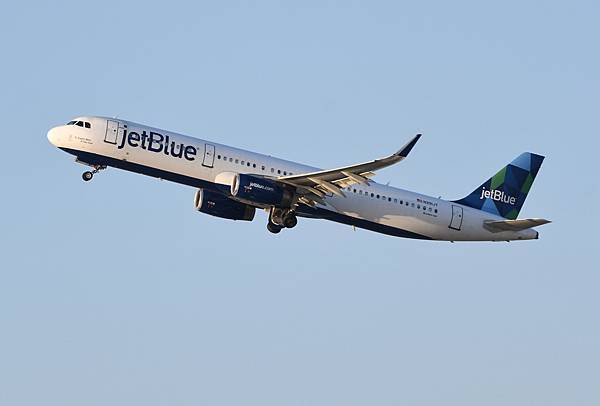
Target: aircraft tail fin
504 193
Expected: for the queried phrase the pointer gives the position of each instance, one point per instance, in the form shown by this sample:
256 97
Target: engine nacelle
265 192
218 205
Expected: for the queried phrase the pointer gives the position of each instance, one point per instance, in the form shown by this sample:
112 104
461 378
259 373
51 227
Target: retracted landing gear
281 218
88 175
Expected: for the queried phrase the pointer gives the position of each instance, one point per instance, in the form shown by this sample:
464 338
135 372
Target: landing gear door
457 218
112 128
209 155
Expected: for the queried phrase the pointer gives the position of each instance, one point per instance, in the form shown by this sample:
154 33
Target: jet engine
264 192
218 205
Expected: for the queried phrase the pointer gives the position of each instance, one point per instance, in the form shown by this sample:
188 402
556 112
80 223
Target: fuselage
200 163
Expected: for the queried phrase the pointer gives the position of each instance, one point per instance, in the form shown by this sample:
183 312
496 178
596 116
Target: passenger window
284 172
378 196
242 162
435 210
272 170
354 190
248 164
396 201
389 199
254 165
372 194
218 156
279 171
237 161
262 167
230 159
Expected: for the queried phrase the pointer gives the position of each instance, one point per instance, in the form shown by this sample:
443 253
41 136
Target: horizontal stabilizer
513 225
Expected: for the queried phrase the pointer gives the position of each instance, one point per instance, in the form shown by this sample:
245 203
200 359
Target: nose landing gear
88 175
280 219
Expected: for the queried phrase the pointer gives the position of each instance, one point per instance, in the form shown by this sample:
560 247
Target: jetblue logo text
498 195
158 143
259 186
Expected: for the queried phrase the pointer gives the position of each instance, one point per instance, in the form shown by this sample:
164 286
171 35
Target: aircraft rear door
457 218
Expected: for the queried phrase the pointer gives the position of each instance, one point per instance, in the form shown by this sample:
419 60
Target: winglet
405 150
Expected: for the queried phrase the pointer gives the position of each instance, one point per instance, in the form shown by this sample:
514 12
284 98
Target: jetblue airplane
232 183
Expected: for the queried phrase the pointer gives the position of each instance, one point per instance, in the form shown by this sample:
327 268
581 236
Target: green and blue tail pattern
505 192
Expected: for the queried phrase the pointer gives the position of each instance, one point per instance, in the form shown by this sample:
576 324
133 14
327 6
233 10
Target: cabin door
457 218
112 128
209 155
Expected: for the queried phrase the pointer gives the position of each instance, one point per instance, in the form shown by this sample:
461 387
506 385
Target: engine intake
261 191
221 206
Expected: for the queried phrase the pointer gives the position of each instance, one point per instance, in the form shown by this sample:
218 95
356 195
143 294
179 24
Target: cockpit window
80 123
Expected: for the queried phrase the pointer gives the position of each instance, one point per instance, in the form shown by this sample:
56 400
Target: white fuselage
197 162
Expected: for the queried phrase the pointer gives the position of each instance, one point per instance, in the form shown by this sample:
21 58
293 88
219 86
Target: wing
514 225
313 186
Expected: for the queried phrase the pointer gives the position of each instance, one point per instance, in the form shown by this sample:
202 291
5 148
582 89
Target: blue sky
117 292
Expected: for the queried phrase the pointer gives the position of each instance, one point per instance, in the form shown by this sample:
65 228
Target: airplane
232 183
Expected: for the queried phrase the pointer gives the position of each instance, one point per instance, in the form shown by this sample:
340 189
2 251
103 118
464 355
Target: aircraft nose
53 136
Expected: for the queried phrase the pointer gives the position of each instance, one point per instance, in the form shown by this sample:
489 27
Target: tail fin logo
498 196
504 193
